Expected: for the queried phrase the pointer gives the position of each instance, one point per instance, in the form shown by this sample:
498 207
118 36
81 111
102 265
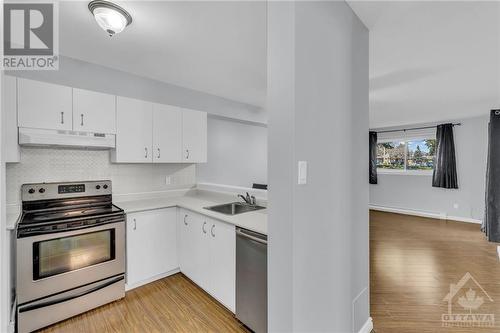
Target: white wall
5 238
55 165
416 192
237 154
318 112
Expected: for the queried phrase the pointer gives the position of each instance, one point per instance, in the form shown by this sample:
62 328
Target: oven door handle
70 297
22 233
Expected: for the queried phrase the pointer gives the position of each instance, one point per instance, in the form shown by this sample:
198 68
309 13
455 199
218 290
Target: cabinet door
93 112
9 122
194 136
186 226
167 134
133 131
223 263
151 245
135 251
194 256
44 105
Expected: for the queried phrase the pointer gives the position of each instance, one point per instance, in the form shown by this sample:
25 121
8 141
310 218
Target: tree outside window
406 155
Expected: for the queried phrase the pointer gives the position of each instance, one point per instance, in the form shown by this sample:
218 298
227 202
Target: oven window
60 255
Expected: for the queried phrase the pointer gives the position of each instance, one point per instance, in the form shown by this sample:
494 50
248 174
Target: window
391 155
406 155
420 154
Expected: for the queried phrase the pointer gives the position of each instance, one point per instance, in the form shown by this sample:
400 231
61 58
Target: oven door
52 263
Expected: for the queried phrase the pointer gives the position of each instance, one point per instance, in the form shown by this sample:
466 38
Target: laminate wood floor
172 304
413 262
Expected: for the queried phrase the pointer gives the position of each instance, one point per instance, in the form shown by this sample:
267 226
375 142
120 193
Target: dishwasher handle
250 235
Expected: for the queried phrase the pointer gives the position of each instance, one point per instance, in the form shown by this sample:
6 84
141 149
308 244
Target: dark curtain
445 165
373 157
491 223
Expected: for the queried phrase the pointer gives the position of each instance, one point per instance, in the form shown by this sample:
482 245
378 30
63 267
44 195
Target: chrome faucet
250 200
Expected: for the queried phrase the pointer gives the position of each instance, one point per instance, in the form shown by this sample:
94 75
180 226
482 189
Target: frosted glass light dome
110 17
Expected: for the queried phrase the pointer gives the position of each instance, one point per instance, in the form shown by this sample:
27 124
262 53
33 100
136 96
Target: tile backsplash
53 165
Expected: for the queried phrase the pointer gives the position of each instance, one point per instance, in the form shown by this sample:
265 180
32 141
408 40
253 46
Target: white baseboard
151 279
464 219
432 215
367 327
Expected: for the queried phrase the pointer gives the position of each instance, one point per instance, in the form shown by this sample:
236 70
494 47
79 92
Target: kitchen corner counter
12 218
255 221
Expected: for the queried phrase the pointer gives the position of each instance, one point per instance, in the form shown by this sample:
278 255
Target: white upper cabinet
134 121
194 136
9 122
158 133
93 112
44 105
167 133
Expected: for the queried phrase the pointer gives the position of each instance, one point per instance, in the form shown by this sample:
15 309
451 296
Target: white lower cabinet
208 255
162 241
222 268
192 243
151 245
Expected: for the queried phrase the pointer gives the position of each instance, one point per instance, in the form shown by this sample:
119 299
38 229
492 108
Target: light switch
168 181
302 173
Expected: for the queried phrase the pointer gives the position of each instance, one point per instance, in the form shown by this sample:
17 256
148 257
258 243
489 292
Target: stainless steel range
70 251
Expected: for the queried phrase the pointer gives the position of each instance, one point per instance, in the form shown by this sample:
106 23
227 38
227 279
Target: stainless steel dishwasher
251 279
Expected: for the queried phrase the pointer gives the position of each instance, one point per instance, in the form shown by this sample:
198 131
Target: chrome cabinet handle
62 117
212 230
81 124
159 153
135 224
185 217
187 154
203 227
146 152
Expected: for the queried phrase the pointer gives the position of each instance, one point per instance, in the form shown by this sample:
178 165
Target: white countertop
255 221
192 200
12 220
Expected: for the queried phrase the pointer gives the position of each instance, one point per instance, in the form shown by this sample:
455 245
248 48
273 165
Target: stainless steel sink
234 208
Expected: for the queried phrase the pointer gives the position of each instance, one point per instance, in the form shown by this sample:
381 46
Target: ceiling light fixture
110 17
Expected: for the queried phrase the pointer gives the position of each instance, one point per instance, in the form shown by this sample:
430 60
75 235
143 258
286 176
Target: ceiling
213 47
431 60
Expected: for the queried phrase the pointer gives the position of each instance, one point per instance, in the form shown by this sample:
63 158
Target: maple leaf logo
470 301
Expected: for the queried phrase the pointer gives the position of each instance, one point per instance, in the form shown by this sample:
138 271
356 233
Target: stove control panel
71 188
45 191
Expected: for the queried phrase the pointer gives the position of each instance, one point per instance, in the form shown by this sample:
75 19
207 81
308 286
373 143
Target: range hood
48 138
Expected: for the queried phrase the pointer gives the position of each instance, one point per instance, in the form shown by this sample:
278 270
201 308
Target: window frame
405 171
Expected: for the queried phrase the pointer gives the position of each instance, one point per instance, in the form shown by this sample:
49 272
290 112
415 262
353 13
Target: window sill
406 173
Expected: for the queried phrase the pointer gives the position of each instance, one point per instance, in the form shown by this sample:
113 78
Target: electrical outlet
455 205
302 173
168 181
